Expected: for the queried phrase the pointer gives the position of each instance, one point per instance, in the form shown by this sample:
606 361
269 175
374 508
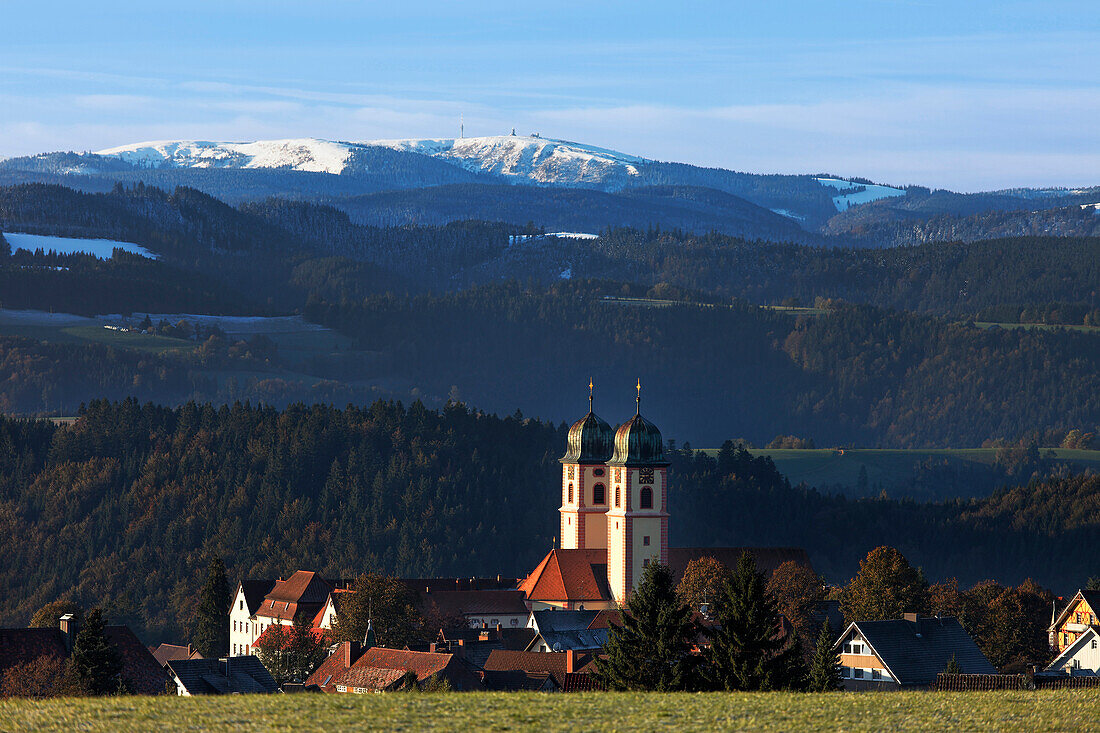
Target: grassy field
1063 710
885 467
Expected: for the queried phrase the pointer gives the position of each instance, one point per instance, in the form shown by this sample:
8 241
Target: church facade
614 516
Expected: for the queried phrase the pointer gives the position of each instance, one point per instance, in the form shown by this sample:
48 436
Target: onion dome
590 438
638 442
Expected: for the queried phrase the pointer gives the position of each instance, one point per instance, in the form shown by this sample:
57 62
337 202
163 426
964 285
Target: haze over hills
559 184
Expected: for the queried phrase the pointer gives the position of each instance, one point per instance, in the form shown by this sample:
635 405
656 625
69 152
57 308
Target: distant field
1062 710
885 467
1037 326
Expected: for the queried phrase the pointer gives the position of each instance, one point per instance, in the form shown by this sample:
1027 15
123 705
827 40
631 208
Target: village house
171 652
1077 617
558 631
242 675
355 668
906 652
1080 658
140 671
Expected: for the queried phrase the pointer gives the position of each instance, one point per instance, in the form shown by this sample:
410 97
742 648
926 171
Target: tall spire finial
638 399
590 387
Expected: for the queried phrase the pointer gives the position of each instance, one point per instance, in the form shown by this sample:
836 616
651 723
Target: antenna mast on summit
461 127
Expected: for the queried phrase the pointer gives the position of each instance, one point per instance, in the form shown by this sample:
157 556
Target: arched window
599 494
646 498
618 497
570 494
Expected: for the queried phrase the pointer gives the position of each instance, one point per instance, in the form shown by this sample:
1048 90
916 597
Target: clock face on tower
645 475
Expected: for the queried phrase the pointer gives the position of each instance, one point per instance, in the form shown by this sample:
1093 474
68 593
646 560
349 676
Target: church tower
637 518
584 491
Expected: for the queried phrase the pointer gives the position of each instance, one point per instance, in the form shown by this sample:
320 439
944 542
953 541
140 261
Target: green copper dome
638 442
589 441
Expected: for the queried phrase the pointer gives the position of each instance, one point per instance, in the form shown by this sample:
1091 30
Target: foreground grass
1061 710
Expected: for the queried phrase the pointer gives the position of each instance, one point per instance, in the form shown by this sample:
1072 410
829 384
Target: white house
1082 657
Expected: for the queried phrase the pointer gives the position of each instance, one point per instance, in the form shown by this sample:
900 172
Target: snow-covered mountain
528 158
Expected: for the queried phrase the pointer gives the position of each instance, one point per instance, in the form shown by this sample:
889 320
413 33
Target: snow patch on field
789 214
101 248
871 192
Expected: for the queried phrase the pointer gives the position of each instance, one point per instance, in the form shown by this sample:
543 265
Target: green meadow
1063 710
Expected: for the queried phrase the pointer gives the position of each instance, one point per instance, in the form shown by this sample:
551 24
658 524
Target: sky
969 95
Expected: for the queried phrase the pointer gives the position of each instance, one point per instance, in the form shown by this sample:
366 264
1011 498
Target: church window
597 472
599 494
645 540
571 473
645 563
647 498
618 497
570 493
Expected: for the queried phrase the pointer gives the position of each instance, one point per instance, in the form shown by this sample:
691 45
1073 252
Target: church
615 500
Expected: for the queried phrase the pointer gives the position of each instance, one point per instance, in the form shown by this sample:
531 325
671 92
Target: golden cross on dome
638 399
590 386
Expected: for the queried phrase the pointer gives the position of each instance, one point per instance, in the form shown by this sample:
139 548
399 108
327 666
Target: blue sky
967 95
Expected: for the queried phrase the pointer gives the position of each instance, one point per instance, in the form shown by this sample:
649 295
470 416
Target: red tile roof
605 618
19 646
552 662
581 682
569 575
171 652
144 673
304 586
481 602
334 667
371 678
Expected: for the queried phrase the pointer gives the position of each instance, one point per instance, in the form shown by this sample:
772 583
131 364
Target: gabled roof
254 592
605 618
166 652
379 664
334 667
243 675
569 575
479 602
516 680
1091 597
767 558
552 662
563 630
1082 642
581 682
19 646
915 652
304 586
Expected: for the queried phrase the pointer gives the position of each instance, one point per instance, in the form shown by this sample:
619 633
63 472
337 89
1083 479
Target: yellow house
1079 615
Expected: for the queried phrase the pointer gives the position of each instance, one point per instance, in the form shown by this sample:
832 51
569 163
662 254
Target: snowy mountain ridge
536 159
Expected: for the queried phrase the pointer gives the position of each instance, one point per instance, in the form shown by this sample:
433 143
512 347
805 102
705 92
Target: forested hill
125 507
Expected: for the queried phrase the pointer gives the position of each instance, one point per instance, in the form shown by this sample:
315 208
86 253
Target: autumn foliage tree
49 615
885 587
387 605
797 591
703 581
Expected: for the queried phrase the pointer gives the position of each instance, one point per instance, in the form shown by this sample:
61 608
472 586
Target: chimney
433 647
910 617
351 650
70 627
570 661
500 632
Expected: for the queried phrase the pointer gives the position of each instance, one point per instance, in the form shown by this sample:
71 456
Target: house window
570 493
515 622
876 674
847 648
1078 618
645 541
645 563
1094 643
647 497
618 497
857 673
599 494
242 605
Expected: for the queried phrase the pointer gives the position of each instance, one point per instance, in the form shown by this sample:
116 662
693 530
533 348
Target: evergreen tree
747 650
825 666
952 666
96 662
652 648
210 635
